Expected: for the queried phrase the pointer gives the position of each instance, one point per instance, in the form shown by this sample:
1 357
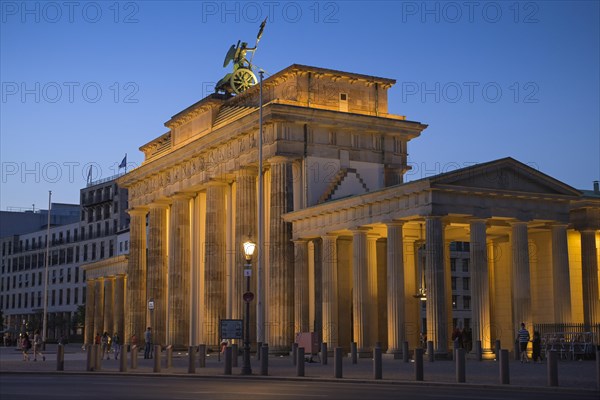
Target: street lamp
249 248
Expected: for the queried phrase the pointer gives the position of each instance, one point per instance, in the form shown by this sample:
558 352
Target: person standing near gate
523 336
148 340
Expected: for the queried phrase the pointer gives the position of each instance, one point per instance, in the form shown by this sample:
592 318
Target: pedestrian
104 341
523 337
116 343
25 346
537 347
37 346
97 339
148 343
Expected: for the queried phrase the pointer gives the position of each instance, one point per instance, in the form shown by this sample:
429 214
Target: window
466 283
39 299
76 296
68 297
93 257
76 274
467 302
77 254
60 297
53 297
85 251
453 264
453 283
68 274
465 265
454 301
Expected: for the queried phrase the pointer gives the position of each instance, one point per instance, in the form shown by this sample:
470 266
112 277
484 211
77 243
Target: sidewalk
571 374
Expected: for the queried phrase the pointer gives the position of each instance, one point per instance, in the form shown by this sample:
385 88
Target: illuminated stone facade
341 228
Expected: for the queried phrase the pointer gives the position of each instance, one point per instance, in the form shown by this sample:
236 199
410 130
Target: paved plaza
573 375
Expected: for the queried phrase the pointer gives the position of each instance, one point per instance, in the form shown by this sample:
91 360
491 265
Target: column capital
280 160
394 222
248 171
182 196
330 236
162 203
300 241
138 211
359 229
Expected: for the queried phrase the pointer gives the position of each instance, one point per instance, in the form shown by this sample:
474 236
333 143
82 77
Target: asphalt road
102 387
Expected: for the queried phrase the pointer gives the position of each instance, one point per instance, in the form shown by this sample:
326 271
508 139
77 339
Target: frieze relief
203 167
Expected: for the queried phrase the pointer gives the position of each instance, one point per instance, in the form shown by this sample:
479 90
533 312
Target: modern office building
341 228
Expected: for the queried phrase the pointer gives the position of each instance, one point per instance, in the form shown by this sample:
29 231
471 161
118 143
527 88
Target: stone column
109 297
158 269
135 318
480 285
560 275
372 289
589 272
119 301
395 287
437 331
330 291
301 294
280 322
99 306
360 300
245 229
90 293
521 276
179 272
214 261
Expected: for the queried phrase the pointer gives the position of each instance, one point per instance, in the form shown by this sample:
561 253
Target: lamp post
249 248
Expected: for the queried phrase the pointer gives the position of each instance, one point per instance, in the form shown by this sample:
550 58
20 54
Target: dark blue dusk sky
86 82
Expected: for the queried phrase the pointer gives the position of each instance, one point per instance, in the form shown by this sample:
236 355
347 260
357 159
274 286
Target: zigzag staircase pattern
339 178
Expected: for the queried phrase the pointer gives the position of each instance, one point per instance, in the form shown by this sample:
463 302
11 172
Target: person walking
523 336
104 341
25 346
536 347
37 346
148 345
116 344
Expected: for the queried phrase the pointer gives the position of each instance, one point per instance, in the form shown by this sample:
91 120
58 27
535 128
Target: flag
89 176
124 162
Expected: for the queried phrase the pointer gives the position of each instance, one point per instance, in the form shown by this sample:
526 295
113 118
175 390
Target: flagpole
125 162
45 322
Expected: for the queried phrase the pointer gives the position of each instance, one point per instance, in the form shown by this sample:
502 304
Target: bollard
552 368
430 354
497 350
598 370
300 363
192 360
419 364
227 366
169 356
60 358
377 366
454 348
97 357
235 355
405 351
338 361
258 351
504 372
134 357
90 363
324 353
459 355
157 358
123 360
264 359
294 353
354 352
202 355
